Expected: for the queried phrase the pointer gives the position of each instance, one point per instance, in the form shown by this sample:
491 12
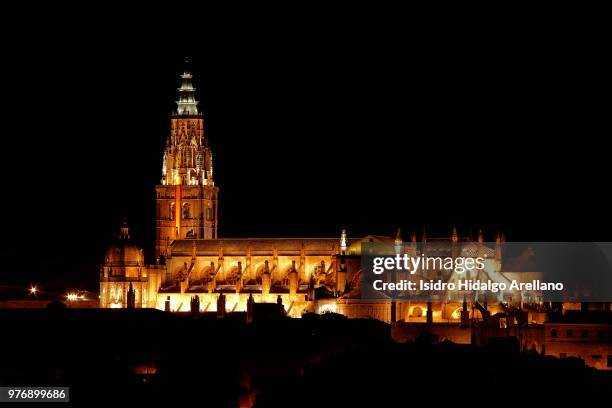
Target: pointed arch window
186 214
171 211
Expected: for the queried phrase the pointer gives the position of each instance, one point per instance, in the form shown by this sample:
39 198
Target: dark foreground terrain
141 356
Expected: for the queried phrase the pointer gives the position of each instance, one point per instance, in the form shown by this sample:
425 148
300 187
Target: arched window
171 211
186 211
553 333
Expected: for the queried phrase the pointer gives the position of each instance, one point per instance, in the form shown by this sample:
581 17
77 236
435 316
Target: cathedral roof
123 252
239 246
355 246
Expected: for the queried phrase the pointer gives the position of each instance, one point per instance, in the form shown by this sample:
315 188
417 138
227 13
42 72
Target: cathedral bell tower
186 199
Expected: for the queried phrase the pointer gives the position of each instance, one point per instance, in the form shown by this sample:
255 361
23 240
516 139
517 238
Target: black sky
501 129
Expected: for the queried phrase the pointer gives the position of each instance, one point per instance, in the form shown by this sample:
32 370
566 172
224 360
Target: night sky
311 132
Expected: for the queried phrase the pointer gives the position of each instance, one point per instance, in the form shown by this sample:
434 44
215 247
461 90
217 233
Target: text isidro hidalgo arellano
463 266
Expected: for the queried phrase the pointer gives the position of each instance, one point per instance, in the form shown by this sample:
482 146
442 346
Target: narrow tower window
186 211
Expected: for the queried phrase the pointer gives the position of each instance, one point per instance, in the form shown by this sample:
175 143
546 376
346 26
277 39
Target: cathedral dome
123 252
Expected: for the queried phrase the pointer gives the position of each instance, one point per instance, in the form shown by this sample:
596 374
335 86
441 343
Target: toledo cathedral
196 268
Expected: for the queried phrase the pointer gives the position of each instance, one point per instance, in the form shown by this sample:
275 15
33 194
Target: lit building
124 277
306 274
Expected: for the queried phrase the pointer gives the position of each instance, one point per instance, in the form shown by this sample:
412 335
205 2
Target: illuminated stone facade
124 276
265 268
186 198
317 275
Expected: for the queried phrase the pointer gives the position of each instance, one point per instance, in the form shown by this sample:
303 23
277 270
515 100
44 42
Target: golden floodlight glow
33 289
177 209
72 296
327 308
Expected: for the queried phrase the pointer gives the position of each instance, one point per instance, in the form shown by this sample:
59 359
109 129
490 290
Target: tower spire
186 104
398 237
343 244
398 243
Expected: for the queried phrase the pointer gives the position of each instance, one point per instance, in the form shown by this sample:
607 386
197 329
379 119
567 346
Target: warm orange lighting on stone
177 209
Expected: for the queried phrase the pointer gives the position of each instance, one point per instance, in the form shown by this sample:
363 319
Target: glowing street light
33 290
